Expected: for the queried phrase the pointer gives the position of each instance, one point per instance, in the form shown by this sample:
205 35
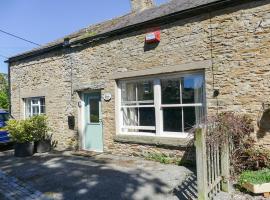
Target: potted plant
41 133
257 182
20 132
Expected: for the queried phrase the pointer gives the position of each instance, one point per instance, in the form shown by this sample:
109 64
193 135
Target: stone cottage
139 83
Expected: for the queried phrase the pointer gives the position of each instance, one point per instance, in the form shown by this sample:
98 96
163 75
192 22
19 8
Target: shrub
40 127
20 131
252 158
237 129
32 129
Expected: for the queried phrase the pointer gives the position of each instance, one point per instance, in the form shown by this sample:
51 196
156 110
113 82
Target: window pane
129 92
27 107
170 91
172 119
145 91
35 110
42 101
130 116
192 89
94 110
35 101
147 116
189 118
42 109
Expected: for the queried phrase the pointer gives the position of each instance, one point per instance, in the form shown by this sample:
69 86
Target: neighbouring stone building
115 87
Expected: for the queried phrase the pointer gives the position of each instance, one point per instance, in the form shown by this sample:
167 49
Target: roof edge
195 11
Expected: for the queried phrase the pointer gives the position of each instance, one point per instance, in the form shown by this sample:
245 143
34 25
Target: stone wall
236 40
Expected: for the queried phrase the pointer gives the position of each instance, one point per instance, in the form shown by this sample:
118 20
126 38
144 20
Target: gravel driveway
65 176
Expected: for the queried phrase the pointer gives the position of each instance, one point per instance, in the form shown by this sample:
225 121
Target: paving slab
63 176
13 189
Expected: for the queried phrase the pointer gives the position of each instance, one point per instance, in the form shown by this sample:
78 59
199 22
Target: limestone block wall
235 40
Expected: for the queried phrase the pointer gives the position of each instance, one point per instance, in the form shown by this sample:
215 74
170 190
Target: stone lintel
165 69
27 93
89 86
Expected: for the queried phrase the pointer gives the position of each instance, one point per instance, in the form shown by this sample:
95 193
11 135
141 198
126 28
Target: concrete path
68 177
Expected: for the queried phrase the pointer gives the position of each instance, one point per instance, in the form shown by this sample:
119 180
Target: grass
255 177
164 159
159 158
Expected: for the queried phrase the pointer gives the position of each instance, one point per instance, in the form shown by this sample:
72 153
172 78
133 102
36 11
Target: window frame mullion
157 104
181 102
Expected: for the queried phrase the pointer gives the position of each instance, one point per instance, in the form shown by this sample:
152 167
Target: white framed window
167 106
34 106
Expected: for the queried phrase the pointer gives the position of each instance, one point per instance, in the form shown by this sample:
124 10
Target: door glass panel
170 91
172 119
94 110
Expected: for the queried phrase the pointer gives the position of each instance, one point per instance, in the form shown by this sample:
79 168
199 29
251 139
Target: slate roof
120 23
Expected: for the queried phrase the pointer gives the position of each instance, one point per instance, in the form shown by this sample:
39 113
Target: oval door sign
107 96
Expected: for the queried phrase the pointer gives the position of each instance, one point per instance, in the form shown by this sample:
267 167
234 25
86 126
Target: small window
34 106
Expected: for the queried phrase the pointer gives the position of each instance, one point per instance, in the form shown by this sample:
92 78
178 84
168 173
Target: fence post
201 162
225 166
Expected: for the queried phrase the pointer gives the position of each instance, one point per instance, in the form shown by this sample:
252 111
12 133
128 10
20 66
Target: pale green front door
93 135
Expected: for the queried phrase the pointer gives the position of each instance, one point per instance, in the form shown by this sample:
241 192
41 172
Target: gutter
154 22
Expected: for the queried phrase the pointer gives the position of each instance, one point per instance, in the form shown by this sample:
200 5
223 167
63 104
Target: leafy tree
4 102
4 99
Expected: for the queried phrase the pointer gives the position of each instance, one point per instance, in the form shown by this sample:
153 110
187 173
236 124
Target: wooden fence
213 168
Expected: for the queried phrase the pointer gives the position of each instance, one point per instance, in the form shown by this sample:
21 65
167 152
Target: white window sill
162 135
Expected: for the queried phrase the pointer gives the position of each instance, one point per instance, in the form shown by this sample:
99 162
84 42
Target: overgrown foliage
237 130
28 130
255 177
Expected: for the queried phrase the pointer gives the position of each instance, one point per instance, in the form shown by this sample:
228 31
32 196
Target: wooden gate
213 168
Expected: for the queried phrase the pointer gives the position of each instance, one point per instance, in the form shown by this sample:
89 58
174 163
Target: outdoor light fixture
216 93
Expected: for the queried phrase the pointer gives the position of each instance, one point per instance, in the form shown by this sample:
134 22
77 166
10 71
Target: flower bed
256 181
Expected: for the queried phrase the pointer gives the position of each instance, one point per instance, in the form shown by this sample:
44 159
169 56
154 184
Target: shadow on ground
72 177
188 189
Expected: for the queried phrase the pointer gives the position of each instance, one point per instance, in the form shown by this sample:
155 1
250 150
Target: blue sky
42 21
